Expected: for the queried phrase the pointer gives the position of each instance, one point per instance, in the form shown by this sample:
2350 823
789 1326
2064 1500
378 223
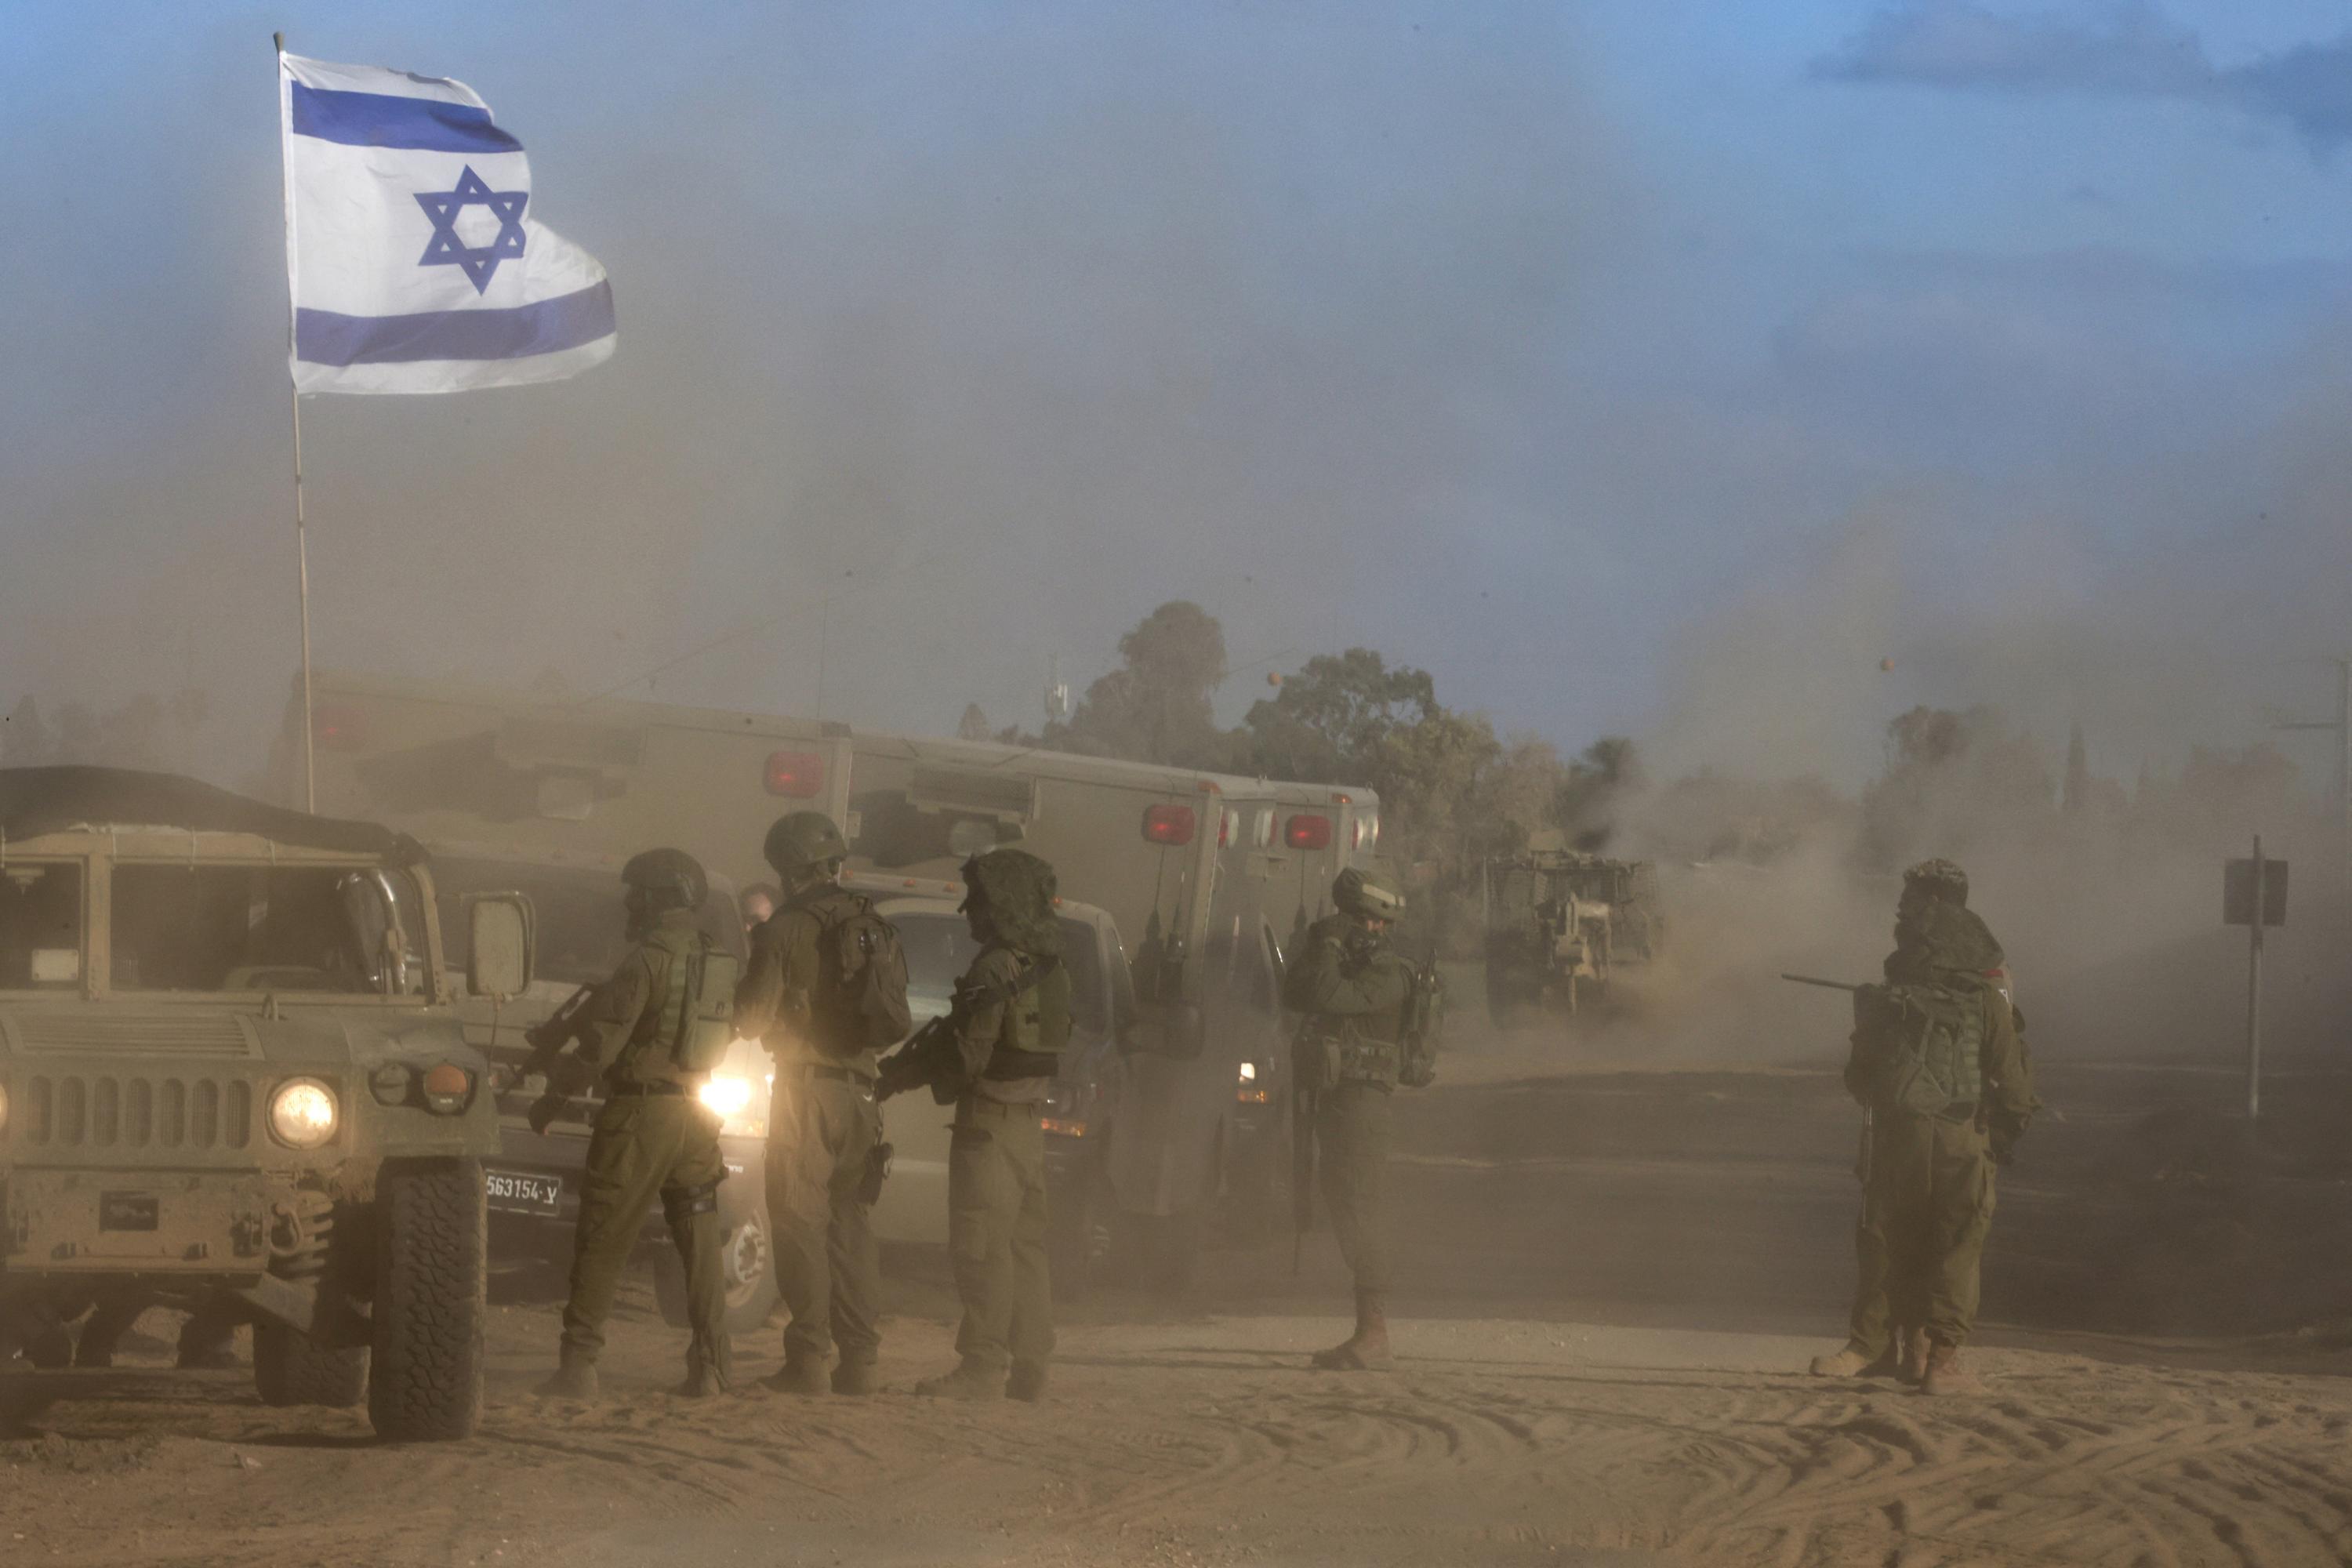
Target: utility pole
2341 725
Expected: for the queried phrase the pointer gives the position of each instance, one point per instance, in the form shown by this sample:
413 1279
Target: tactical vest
688 1023
1930 1049
1036 1029
1330 1048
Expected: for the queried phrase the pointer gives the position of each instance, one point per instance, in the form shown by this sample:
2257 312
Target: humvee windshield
40 926
254 928
939 948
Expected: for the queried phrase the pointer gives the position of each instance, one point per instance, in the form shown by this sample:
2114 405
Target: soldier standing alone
826 989
1937 1062
995 1058
1353 1050
651 1034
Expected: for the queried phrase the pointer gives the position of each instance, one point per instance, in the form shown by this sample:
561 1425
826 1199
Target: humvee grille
106 1111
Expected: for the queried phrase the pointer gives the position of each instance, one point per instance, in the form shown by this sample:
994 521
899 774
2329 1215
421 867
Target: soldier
1353 1048
824 1125
1938 1063
647 1035
995 1057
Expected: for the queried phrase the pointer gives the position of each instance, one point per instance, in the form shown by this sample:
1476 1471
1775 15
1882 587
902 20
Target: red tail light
337 728
1168 824
797 775
1308 831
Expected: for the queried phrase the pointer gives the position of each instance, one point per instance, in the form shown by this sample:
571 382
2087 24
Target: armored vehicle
1562 925
232 1076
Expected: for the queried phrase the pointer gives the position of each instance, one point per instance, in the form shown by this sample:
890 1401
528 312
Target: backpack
1930 1044
860 997
704 981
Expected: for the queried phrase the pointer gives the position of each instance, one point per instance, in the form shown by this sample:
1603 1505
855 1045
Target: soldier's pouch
707 1026
1314 1061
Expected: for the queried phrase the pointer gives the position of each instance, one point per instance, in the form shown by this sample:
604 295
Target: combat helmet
803 838
1939 878
1367 894
1017 891
661 880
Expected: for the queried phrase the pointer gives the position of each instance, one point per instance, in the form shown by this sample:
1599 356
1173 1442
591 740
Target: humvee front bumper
85 1222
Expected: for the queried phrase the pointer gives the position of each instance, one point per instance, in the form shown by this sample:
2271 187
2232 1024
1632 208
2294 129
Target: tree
1156 707
973 725
1329 722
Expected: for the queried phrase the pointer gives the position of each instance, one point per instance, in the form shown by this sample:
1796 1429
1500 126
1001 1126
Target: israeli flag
412 258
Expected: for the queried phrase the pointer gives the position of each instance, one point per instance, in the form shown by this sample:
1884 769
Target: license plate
516 1191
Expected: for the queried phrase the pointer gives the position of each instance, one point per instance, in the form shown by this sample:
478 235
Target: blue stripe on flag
329 337
387 120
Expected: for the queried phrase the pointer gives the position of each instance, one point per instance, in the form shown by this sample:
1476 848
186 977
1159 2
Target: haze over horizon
1635 368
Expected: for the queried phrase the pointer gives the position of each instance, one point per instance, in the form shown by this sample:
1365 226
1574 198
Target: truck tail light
798 776
1171 824
1308 831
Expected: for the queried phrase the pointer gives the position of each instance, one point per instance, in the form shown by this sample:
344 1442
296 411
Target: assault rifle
919 1063
1816 980
549 1039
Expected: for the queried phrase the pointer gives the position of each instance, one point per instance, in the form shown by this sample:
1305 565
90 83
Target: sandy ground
1598 1367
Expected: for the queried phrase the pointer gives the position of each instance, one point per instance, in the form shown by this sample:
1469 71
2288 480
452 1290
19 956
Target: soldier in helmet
653 1135
1351 1052
824 1125
993 1060
1938 1061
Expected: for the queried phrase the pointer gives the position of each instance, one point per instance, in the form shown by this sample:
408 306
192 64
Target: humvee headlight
302 1113
730 1098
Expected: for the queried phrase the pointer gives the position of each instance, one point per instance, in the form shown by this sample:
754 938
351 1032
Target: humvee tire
289 1368
432 1279
750 1265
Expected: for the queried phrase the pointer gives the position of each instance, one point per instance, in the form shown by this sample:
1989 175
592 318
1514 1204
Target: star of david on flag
412 263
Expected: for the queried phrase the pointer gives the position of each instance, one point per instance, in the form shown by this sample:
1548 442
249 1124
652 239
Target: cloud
2133 50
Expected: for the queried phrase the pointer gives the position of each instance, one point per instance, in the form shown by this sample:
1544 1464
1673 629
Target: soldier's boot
708 1375
575 1378
856 1379
1914 1370
1850 1361
1946 1376
970 1380
1366 1350
801 1375
1026 1381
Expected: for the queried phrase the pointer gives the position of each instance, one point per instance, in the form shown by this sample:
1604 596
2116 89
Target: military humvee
230 1071
1561 926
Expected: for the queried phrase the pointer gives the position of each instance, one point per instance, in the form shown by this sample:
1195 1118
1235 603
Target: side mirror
498 946
1183 1031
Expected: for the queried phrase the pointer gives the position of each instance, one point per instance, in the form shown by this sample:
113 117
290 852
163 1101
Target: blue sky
1639 364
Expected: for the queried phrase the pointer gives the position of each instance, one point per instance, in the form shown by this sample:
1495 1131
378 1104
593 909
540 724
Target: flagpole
302 531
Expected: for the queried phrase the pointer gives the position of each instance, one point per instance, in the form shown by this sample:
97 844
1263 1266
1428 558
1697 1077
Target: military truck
451 762
232 1073
534 1178
1562 925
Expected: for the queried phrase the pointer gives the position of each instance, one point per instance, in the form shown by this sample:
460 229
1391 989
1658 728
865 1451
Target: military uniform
1928 1183
653 1138
823 1128
1006 1031
1348 1057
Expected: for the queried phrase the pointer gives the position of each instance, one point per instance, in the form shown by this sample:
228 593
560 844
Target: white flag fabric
411 256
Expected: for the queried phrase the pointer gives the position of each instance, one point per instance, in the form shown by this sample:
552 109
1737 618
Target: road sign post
2253 895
